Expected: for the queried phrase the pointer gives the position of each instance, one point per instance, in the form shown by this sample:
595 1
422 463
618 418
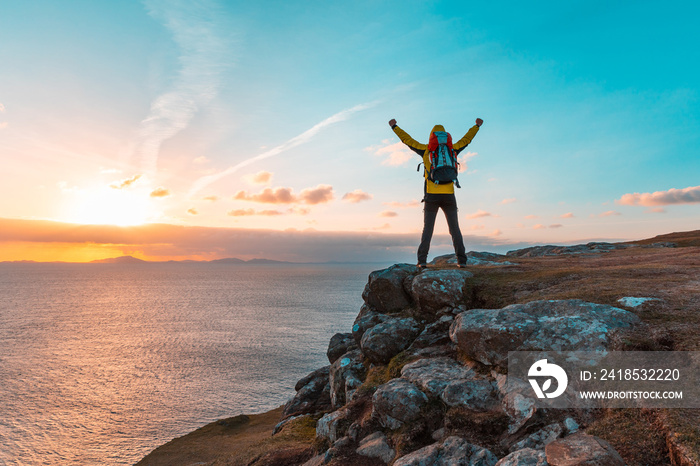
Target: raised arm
467 138
414 145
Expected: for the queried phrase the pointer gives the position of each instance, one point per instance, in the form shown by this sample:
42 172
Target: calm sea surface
101 363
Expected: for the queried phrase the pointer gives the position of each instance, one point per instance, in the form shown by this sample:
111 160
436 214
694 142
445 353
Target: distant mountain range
134 260
228 260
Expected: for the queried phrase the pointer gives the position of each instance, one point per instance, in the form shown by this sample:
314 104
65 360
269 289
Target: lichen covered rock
346 375
397 402
453 451
376 446
540 439
524 457
433 290
340 344
384 290
313 394
365 320
453 383
387 339
487 335
582 450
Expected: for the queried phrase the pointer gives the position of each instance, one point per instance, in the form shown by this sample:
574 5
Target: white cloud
462 160
510 200
321 194
394 154
357 196
261 177
478 214
567 215
609 213
160 192
690 195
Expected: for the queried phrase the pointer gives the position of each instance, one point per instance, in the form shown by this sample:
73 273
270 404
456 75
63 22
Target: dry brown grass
241 440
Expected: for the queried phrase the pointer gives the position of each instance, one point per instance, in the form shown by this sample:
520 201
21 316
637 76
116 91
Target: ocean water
101 363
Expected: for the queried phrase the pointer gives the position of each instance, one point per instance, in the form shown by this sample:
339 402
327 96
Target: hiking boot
421 266
462 266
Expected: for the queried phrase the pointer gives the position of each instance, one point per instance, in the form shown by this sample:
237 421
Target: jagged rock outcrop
453 377
365 320
435 334
313 394
340 344
453 451
451 382
388 338
346 375
331 424
433 290
486 335
385 291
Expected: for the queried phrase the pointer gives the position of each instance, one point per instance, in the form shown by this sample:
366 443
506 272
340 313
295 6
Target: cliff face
419 379
421 376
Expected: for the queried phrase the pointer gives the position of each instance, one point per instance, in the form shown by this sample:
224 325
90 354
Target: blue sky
194 113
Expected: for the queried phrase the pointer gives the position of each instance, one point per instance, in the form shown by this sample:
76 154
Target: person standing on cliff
438 195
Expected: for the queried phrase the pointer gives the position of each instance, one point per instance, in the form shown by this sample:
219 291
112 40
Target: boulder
340 344
473 258
453 451
365 320
519 408
540 439
476 394
582 450
376 446
524 457
487 335
432 375
436 289
332 426
313 394
397 402
453 383
437 333
387 339
384 290
346 375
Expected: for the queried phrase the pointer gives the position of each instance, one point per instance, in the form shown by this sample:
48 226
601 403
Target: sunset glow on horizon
178 130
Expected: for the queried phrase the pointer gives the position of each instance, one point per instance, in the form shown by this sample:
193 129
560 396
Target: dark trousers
448 204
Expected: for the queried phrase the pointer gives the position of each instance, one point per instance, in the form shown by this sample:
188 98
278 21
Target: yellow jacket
422 150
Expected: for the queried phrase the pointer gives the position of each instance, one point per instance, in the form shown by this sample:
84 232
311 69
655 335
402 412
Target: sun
108 206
